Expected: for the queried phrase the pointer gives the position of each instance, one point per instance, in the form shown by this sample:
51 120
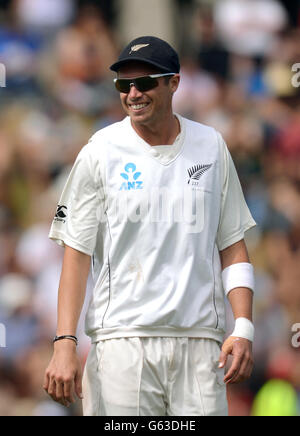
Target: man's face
146 108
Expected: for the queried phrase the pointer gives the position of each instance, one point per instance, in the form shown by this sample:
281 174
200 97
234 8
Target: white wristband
238 275
243 329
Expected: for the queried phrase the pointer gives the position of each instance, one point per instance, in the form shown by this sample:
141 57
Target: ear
174 82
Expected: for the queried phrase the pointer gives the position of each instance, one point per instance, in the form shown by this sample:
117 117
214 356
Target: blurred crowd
237 76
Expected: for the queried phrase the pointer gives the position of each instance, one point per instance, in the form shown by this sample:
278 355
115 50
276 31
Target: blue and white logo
131 176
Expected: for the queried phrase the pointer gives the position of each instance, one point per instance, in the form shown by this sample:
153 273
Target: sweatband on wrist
238 275
243 329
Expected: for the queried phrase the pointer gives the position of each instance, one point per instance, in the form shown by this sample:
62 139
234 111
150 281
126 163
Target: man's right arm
63 376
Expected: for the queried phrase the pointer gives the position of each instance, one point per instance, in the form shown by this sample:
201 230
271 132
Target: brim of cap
116 66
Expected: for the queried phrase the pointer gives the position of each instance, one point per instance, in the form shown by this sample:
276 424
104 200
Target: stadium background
237 58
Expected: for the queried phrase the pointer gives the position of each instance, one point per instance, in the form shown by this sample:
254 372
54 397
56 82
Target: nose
134 92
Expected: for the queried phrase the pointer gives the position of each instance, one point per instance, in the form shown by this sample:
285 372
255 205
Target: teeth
138 106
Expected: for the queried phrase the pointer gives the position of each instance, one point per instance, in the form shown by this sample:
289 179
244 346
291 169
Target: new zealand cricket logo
197 171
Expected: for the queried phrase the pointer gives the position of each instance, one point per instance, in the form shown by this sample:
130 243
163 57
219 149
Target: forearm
241 301
240 298
238 282
72 289
63 377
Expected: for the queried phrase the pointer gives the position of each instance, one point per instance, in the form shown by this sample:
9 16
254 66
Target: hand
63 377
242 364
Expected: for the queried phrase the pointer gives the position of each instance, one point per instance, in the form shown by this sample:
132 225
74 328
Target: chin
143 117
140 119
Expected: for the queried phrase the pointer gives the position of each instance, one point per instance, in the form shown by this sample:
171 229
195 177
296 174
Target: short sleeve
235 217
81 204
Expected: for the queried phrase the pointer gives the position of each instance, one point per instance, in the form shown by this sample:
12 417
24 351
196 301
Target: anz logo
131 177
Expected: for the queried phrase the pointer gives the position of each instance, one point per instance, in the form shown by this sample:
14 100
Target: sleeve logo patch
61 214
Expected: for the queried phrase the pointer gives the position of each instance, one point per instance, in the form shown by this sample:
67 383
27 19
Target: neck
162 132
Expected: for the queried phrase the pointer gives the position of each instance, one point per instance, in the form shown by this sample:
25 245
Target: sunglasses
142 84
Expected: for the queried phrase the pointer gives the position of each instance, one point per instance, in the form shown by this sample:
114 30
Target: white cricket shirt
153 219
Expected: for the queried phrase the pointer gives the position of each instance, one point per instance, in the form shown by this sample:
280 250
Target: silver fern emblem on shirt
137 47
197 171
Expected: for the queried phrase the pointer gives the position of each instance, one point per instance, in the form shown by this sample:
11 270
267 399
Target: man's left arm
238 270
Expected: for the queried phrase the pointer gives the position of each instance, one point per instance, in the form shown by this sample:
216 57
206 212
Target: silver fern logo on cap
137 47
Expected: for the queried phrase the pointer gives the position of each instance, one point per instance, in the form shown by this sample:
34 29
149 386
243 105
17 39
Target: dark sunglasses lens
123 85
143 84
146 83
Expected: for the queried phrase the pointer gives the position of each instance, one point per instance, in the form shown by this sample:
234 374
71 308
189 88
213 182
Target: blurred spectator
21 323
286 145
293 9
211 52
247 27
76 70
18 52
276 398
44 16
109 9
86 49
198 91
138 18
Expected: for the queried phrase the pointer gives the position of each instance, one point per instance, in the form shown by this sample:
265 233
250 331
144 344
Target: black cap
150 50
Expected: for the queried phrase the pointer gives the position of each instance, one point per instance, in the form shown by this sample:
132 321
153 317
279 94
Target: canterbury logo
60 213
196 171
137 47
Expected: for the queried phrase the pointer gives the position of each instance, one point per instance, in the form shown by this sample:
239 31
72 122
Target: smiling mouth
137 107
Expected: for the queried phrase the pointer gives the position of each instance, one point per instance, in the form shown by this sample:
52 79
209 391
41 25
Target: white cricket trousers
154 376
